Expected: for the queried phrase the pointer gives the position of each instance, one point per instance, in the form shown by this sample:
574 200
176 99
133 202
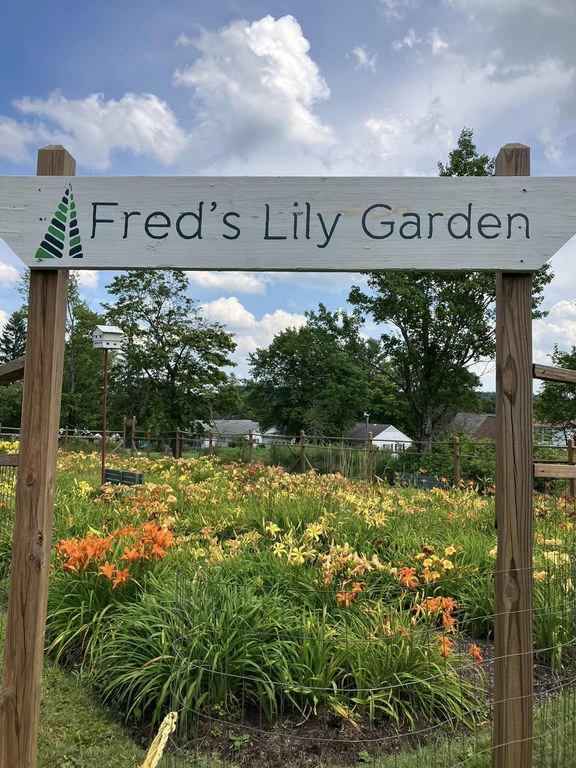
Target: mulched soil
327 738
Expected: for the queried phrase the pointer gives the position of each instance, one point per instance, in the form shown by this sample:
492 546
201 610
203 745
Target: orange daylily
474 651
107 570
122 577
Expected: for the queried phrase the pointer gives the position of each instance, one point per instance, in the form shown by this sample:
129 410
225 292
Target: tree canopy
437 325
316 377
170 372
556 403
13 336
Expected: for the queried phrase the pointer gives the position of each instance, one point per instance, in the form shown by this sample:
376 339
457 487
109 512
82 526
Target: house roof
479 425
360 431
235 426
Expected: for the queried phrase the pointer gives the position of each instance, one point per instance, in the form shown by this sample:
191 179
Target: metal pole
104 414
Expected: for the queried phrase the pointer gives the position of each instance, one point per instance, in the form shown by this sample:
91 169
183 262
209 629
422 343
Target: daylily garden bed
248 596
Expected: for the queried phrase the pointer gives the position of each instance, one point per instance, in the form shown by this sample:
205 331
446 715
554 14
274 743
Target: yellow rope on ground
156 750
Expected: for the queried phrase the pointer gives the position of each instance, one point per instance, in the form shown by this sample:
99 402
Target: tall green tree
82 380
316 377
556 403
13 336
11 404
170 372
437 325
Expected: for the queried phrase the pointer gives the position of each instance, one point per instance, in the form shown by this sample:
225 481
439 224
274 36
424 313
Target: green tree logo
64 220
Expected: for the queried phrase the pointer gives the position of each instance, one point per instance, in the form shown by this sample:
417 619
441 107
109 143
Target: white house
273 437
226 432
384 436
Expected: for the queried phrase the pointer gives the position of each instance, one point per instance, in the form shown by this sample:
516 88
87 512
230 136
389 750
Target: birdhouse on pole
107 337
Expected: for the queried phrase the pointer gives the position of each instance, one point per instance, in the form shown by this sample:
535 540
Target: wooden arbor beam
25 627
12 371
513 662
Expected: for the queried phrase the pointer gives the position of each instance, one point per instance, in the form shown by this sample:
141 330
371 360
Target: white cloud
183 41
396 9
250 333
255 85
15 138
406 141
363 59
87 278
238 282
93 128
554 8
558 328
437 43
3 318
9 275
408 41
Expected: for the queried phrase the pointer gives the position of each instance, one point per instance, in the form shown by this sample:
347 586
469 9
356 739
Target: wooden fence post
177 447
302 451
250 446
25 627
210 443
124 438
513 649
456 462
148 444
369 457
570 450
133 437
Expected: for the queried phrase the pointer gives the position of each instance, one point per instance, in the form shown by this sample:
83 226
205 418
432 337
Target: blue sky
300 87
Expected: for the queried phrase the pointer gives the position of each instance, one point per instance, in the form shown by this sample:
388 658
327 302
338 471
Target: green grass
77 732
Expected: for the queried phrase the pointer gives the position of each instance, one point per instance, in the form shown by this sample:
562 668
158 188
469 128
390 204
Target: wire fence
453 461
8 473
277 675
268 675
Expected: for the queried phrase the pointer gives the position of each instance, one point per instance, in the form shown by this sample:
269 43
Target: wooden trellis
315 245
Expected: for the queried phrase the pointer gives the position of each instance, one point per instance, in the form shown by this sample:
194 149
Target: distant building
273 437
227 432
480 426
384 436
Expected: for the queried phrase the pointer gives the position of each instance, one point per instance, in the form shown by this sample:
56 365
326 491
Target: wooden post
302 451
177 450
210 443
133 437
369 457
570 450
456 462
250 446
66 437
25 627
124 438
513 663
148 444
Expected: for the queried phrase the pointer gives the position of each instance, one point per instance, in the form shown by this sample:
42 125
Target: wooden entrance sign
511 224
24 644
319 224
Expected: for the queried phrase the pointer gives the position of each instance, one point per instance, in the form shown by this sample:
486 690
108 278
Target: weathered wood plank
321 224
558 471
513 663
550 373
12 371
9 459
25 625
